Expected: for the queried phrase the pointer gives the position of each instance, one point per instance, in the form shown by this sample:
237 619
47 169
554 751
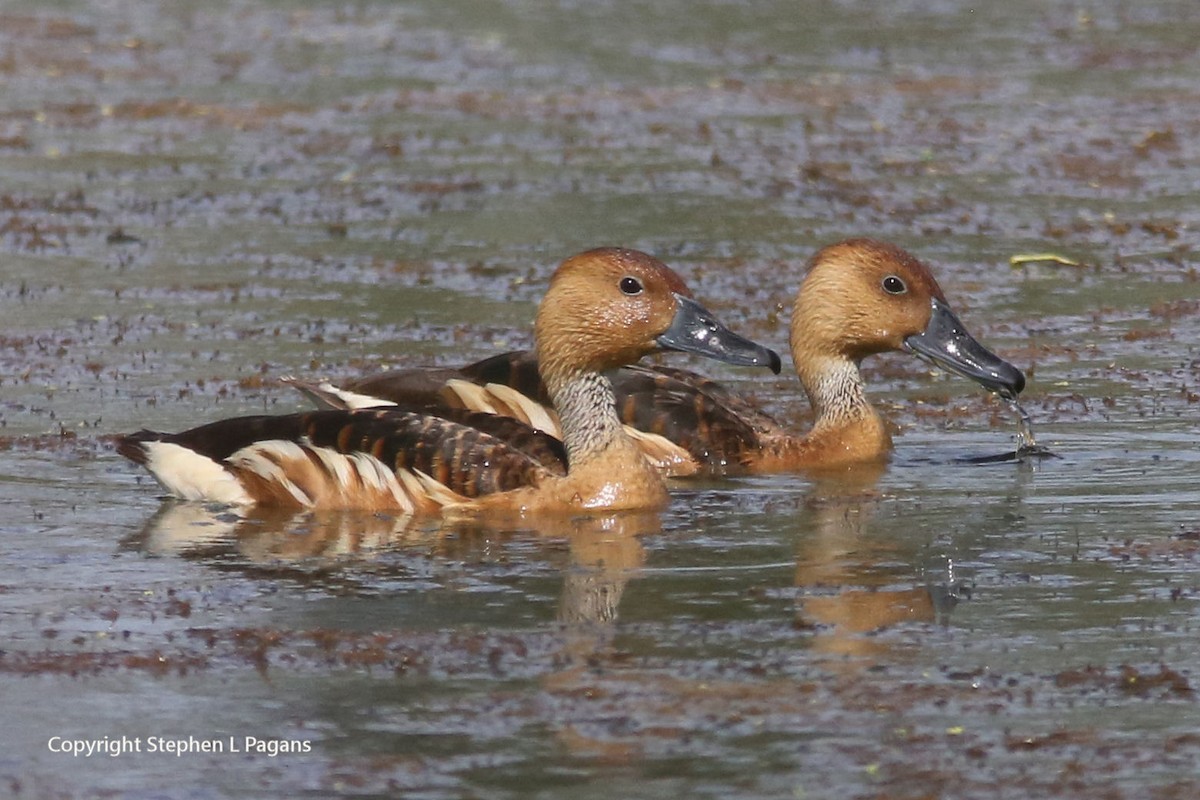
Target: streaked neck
835 389
587 415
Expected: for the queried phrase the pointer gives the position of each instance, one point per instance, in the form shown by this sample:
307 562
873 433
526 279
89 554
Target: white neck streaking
835 389
587 415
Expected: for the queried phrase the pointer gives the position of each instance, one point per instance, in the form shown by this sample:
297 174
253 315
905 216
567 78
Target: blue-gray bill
696 330
947 343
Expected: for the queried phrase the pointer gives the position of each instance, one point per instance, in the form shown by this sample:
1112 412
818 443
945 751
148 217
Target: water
1025 441
199 200
1027 448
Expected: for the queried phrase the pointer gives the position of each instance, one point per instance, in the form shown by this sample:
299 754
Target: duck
603 309
858 297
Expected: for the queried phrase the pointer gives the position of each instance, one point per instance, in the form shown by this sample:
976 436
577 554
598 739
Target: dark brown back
716 426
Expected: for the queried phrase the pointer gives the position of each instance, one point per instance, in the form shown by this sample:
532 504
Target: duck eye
631 285
893 285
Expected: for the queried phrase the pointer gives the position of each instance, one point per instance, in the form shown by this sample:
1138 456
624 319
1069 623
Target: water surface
198 200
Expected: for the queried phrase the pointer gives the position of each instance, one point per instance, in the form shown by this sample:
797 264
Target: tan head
861 297
610 306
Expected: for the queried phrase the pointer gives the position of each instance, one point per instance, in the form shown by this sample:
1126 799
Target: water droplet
1025 438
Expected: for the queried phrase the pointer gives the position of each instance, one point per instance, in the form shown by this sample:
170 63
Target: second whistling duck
604 309
858 297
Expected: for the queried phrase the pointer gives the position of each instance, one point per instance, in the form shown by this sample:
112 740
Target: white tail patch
191 476
666 456
327 396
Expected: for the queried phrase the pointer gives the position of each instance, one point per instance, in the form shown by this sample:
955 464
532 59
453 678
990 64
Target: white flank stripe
252 459
664 454
326 395
408 484
354 400
535 413
375 473
335 463
438 492
191 476
470 396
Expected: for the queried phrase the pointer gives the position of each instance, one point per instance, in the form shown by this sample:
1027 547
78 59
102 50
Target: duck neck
587 415
827 370
835 388
847 429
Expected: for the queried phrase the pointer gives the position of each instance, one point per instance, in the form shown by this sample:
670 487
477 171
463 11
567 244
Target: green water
196 200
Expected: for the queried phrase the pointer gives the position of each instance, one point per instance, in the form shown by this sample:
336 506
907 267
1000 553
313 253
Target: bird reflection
850 585
604 551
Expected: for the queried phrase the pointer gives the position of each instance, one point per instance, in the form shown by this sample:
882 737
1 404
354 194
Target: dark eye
893 285
630 285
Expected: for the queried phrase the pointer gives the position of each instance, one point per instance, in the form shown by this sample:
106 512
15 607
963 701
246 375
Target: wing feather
375 458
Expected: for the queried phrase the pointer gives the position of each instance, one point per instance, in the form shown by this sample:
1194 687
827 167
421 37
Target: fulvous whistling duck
604 309
858 297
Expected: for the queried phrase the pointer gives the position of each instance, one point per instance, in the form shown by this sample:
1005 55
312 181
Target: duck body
859 297
683 422
375 460
604 308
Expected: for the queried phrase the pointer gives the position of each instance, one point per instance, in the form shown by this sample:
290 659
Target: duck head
609 307
863 296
